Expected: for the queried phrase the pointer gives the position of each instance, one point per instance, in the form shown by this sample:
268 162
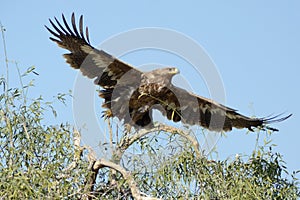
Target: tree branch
127 141
95 165
92 177
127 176
78 150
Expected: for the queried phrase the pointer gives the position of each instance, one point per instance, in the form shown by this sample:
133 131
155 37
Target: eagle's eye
173 70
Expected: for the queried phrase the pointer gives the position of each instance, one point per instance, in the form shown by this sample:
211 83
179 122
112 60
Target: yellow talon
141 95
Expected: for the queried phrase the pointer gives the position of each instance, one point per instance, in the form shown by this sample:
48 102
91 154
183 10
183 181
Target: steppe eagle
131 95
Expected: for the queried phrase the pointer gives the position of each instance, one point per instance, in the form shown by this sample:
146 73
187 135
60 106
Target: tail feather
271 120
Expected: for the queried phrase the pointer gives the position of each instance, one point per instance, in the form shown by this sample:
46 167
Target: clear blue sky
255 46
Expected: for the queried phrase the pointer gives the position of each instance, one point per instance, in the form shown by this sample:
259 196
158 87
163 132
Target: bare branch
77 155
184 134
127 176
110 133
92 177
127 141
95 165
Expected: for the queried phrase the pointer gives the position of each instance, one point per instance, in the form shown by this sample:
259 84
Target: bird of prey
131 95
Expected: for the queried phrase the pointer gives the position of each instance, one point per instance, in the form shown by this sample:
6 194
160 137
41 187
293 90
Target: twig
6 87
110 134
5 54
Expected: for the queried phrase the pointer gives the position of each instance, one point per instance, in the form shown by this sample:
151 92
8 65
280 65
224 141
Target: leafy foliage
258 177
33 154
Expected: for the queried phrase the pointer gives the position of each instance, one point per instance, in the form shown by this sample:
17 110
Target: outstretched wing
92 62
107 71
180 105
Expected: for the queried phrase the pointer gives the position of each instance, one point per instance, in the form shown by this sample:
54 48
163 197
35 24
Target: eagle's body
131 95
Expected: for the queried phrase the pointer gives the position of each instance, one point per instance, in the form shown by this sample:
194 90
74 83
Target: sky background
254 45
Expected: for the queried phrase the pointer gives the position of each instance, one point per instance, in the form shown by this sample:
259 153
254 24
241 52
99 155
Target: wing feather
66 24
96 64
196 110
61 27
92 62
81 27
74 25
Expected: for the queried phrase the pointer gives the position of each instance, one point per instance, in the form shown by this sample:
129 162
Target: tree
45 161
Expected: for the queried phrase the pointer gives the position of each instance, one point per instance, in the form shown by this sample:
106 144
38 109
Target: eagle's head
163 75
167 72
171 70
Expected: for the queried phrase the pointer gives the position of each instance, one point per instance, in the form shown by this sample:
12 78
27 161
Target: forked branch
127 141
124 144
126 175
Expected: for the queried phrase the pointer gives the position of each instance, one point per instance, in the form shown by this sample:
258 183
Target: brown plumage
131 95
